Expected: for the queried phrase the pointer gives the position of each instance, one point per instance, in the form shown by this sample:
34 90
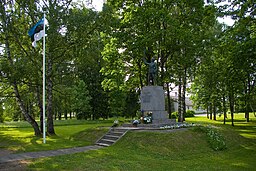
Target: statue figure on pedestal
152 73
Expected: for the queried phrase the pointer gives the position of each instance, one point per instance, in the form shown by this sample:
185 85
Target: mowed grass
19 136
181 149
243 128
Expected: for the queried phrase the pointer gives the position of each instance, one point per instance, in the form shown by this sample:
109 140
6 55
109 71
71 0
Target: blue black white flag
37 31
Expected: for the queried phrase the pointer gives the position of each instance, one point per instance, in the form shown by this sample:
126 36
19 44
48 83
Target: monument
153 102
152 71
152 97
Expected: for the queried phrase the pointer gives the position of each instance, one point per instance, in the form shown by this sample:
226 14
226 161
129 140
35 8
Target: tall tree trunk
184 87
247 99
246 113
207 112
28 118
224 108
50 126
66 114
140 75
211 111
214 111
169 107
40 106
231 104
59 114
180 113
55 114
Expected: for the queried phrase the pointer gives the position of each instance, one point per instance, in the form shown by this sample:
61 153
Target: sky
226 20
97 4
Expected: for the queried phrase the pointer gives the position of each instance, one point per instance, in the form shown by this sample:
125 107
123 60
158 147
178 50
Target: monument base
158 114
156 124
153 103
164 121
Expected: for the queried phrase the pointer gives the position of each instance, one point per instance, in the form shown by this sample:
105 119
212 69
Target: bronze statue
152 66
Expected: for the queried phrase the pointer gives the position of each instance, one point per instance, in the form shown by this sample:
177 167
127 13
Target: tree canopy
95 65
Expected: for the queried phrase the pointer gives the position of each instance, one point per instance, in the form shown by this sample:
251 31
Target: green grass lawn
19 136
183 149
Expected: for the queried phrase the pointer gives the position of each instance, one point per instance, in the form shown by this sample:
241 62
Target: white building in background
189 104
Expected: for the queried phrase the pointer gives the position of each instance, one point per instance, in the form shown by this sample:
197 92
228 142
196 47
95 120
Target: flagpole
44 139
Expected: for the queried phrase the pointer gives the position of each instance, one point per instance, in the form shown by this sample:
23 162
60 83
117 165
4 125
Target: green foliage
1 113
1 118
131 104
229 68
11 111
84 30
174 115
81 101
190 113
214 138
117 103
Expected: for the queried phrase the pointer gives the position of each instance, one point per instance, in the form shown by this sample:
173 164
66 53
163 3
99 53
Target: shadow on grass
158 151
7 141
247 132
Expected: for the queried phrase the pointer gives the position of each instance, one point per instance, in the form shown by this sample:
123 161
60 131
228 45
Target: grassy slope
175 150
71 133
156 151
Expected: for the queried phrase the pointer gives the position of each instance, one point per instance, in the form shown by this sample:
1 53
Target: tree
11 61
243 48
81 101
232 64
84 33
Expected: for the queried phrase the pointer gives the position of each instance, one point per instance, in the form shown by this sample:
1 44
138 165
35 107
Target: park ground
176 149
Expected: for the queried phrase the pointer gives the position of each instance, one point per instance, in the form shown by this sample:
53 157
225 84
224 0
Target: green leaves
81 100
214 137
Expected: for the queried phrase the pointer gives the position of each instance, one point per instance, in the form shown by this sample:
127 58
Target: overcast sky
97 4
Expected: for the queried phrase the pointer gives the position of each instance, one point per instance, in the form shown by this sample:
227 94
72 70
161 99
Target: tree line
94 58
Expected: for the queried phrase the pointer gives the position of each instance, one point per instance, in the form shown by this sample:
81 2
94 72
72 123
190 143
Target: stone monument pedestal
153 101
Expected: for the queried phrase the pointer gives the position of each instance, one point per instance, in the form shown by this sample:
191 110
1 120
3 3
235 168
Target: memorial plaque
145 97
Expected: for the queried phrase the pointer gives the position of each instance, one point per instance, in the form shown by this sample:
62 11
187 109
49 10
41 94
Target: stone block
152 98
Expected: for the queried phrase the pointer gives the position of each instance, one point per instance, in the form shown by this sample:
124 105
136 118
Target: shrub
116 123
1 114
190 113
81 115
174 115
1 118
214 138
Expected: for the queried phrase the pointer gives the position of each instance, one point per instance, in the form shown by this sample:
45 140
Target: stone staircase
112 136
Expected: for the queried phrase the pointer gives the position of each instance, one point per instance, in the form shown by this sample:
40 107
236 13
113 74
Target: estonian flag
37 32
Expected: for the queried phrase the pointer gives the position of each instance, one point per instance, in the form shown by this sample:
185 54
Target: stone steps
112 136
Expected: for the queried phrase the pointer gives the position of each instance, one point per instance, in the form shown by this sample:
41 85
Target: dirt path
19 161
14 166
11 166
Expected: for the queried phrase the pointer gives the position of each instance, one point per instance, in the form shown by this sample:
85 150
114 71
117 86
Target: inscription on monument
146 97
152 101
